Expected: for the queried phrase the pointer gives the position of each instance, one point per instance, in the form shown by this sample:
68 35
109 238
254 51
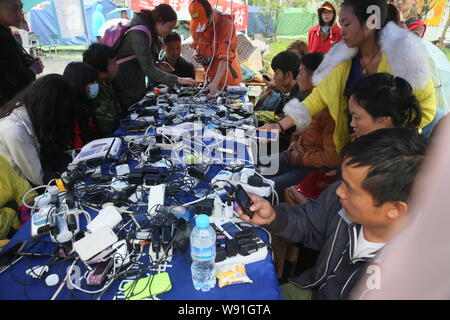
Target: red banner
240 11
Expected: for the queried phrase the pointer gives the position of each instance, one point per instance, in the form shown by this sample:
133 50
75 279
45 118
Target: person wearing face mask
324 35
106 107
17 68
145 46
371 44
37 128
215 41
83 79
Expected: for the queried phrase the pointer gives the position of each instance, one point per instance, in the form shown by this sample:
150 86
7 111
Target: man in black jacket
353 219
17 68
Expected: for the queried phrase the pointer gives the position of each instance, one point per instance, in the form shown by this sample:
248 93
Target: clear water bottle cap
202 221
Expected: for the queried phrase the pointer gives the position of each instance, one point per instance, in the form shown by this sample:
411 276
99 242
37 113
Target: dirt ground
56 63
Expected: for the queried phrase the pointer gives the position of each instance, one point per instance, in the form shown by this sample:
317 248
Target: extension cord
160 254
259 255
169 146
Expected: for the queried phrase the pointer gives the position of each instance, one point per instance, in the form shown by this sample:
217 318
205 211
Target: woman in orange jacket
322 36
215 42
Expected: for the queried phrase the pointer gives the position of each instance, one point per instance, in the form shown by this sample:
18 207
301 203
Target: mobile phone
266 134
228 228
266 77
97 275
243 200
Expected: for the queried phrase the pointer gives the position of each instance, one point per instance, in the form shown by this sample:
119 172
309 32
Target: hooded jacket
403 55
322 225
318 41
130 80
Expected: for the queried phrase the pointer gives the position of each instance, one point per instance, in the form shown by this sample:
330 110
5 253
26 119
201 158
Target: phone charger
107 217
94 243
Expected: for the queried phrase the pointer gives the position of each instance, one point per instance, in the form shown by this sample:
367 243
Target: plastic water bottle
203 253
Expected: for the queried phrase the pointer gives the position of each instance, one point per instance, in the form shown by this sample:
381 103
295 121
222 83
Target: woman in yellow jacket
12 189
372 43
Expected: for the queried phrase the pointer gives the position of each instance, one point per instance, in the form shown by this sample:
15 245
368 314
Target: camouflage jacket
107 111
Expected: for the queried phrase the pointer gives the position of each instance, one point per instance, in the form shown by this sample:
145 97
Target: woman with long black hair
37 127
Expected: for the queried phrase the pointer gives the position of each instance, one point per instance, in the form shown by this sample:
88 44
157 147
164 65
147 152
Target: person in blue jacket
98 19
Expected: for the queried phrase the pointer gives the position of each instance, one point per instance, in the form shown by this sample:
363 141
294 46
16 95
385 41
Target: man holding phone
353 219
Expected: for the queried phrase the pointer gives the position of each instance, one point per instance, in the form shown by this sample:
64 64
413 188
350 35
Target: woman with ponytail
143 42
378 101
372 43
383 101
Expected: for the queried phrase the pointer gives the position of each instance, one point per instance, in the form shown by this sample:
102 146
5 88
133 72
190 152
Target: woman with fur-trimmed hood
370 45
324 35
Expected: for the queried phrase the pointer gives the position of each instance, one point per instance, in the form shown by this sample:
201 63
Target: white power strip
259 255
160 254
156 197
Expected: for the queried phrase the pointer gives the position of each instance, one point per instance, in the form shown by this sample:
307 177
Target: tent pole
246 28
88 38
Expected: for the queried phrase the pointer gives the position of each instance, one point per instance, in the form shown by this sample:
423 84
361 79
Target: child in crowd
172 55
286 67
83 79
311 148
106 110
298 46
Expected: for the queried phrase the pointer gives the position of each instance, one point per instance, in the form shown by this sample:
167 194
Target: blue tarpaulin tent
257 23
44 23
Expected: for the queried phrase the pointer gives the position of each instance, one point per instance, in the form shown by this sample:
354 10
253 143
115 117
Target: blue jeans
288 175
428 129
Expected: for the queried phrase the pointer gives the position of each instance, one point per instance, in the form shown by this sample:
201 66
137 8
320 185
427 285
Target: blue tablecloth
15 284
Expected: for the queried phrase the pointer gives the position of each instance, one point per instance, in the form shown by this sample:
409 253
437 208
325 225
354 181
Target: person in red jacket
409 17
324 35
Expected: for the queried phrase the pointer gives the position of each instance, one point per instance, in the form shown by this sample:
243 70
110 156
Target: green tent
293 23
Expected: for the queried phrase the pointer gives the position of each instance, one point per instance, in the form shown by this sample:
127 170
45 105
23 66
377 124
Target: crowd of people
354 106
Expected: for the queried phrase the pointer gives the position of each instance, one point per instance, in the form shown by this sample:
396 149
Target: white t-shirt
364 248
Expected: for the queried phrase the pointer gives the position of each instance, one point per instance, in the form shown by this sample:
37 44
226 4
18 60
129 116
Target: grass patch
447 52
47 48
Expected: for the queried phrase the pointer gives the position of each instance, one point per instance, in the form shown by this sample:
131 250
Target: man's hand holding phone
263 212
